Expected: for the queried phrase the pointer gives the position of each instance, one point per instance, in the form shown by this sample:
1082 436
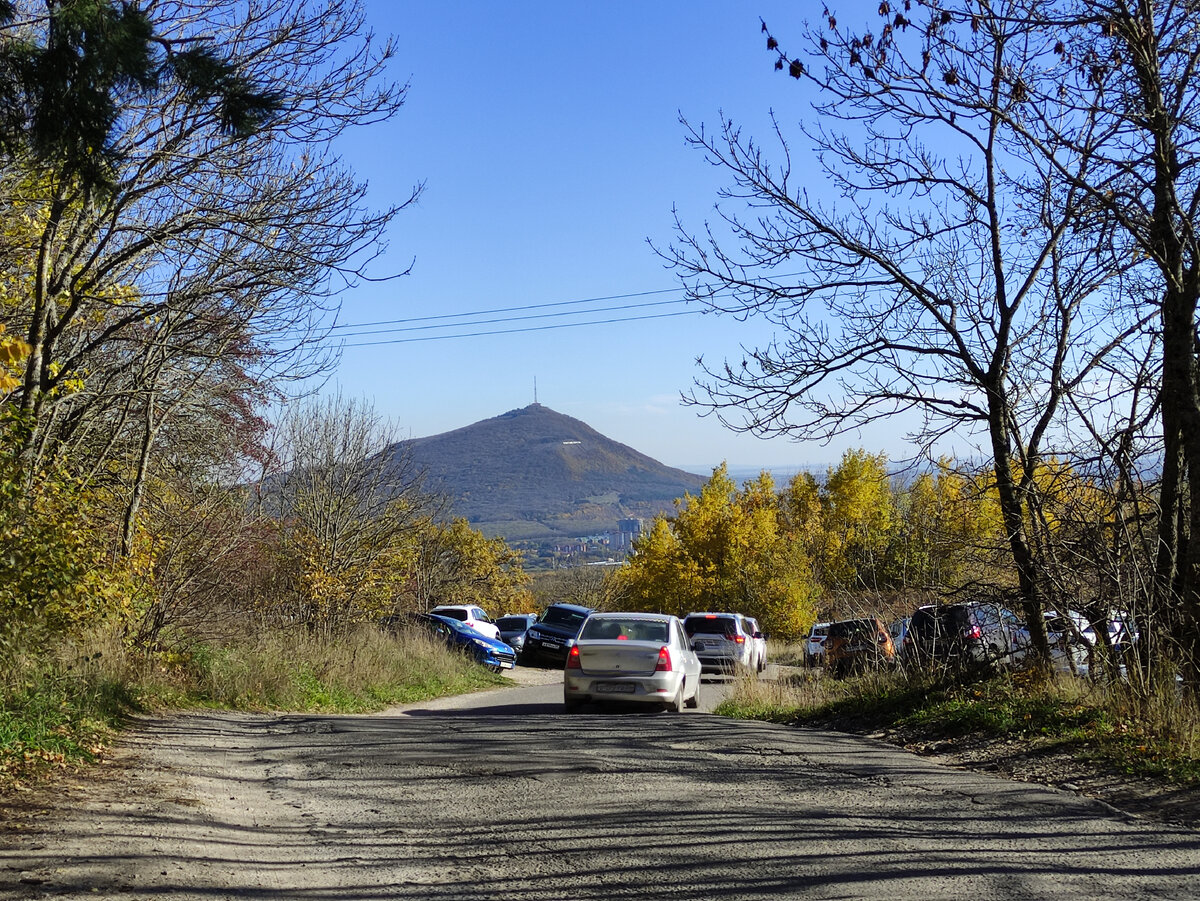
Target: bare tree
957 277
1131 66
212 243
349 505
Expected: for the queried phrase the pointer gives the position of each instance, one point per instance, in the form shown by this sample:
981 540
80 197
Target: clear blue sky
547 135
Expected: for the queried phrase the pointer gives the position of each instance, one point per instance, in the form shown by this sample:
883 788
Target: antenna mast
535 389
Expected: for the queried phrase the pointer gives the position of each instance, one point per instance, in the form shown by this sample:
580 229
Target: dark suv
970 635
549 640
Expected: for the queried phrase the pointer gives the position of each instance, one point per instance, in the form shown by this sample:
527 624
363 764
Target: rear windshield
452 613
818 631
711 625
625 630
512 623
853 628
561 616
938 621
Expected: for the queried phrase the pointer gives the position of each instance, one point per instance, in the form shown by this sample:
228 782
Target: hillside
534 473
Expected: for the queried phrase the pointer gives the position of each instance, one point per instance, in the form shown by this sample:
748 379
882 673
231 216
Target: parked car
642 658
486 651
722 641
967 635
898 629
1071 638
513 627
855 645
814 647
760 642
548 641
473 617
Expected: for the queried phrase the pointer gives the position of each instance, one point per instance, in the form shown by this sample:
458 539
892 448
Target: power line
519 309
532 328
589 311
440 321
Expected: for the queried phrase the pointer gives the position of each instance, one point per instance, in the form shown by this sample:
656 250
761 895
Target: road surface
502 796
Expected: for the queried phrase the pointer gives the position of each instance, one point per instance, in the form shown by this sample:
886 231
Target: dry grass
59 711
1156 736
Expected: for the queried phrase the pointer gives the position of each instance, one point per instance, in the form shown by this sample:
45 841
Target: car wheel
694 701
675 705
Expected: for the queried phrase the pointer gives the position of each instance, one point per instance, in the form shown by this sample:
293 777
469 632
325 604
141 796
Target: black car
969 635
550 639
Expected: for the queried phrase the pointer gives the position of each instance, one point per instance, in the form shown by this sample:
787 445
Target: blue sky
547 135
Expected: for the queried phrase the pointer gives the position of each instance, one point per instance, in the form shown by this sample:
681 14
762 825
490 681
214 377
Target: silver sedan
632 657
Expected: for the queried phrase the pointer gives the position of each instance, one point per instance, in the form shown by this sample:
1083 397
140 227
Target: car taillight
664 661
739 639
973 632
573 658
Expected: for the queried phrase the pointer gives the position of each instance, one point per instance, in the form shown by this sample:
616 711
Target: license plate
615 688
551 645
506 664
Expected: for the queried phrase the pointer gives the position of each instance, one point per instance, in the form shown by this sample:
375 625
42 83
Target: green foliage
63 87
56 576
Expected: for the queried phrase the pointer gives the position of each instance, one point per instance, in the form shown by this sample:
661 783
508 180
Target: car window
453 613
987 616
625 629
714 625
561 616
854 628
512 623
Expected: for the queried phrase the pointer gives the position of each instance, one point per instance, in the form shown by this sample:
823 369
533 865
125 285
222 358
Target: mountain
534 473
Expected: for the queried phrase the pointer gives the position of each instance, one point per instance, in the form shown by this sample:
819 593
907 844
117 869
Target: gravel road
501 796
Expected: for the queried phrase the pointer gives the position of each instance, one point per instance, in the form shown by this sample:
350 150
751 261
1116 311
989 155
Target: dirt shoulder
1046 762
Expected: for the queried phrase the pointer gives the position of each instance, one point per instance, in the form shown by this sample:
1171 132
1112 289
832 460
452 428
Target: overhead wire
469 320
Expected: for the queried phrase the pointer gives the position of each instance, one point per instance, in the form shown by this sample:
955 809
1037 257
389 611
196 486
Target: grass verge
1105 725
60 711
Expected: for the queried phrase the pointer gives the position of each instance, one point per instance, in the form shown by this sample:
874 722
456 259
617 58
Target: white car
814 646
471 616
642 658
760 642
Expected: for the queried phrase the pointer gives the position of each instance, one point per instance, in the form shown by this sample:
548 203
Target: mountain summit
534 473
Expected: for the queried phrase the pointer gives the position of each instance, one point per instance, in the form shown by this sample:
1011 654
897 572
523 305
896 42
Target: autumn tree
949 533
859 517
948 277
1120 85
211 259
724 549
349 510
456 564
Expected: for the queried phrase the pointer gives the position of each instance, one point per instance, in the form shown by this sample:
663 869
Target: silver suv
724 642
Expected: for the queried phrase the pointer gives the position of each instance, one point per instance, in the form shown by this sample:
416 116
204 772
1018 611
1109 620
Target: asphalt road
501 796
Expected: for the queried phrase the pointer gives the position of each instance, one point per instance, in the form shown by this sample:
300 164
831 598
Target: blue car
495 655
